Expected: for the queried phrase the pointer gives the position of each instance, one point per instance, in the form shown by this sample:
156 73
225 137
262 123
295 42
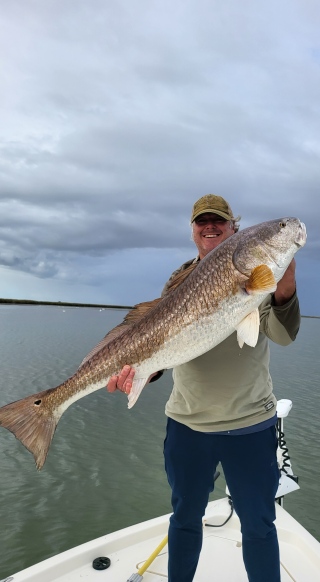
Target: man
229 390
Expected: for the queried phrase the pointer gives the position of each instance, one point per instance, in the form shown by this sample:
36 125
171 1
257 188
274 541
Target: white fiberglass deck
221 556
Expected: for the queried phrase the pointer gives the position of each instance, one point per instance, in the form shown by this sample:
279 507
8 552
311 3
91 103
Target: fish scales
219 296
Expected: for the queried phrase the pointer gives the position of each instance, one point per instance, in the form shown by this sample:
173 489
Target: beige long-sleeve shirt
230 387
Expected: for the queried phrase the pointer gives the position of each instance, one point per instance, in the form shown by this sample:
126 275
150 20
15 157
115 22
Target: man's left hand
286 286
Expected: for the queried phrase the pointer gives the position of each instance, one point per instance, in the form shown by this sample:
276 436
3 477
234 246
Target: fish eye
282 224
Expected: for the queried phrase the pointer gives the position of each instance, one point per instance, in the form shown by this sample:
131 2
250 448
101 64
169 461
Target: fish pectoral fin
248 329
137 387
261 280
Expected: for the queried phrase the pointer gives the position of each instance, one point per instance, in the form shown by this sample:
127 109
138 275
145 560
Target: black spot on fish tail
32 423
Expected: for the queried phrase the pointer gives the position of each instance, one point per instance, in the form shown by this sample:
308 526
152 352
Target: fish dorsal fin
136 313
139 310
261 280
180 277
248 329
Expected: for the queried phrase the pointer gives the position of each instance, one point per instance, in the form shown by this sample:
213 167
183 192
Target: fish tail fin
32 424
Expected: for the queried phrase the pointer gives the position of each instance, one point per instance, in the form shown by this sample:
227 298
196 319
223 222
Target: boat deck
221 556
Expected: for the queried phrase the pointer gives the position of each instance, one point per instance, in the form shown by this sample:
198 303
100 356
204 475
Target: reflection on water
105 468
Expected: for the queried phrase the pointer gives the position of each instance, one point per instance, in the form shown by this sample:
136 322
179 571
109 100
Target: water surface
105 467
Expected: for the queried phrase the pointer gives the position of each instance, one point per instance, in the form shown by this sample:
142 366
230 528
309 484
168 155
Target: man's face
210 230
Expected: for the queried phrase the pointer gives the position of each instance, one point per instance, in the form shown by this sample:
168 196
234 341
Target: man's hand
286 286
124 380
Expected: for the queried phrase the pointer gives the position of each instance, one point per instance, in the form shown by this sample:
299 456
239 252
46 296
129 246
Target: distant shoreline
61 303
311 316
100 305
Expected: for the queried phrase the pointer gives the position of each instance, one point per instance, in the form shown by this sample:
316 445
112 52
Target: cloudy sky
116 115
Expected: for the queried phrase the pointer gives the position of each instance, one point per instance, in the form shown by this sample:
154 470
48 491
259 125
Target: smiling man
222 409
212 223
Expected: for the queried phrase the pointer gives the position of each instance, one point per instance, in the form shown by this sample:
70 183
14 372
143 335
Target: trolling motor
288 480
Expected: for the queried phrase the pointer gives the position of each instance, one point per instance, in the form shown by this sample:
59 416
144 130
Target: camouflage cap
214 204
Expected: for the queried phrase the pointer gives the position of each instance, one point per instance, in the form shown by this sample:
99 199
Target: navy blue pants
251 471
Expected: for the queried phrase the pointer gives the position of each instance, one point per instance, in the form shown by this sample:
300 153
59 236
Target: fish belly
199 336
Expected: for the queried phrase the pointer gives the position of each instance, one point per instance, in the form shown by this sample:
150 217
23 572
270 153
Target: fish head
273 243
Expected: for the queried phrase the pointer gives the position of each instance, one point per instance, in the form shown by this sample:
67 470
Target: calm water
105 469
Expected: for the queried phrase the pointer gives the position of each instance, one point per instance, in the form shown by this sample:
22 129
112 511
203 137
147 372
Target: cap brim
209 210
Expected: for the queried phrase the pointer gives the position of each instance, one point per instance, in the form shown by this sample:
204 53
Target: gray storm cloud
115 118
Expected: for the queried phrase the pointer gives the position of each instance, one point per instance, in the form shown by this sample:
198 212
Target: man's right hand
123 381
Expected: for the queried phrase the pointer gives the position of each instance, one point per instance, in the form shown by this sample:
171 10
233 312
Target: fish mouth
302 235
